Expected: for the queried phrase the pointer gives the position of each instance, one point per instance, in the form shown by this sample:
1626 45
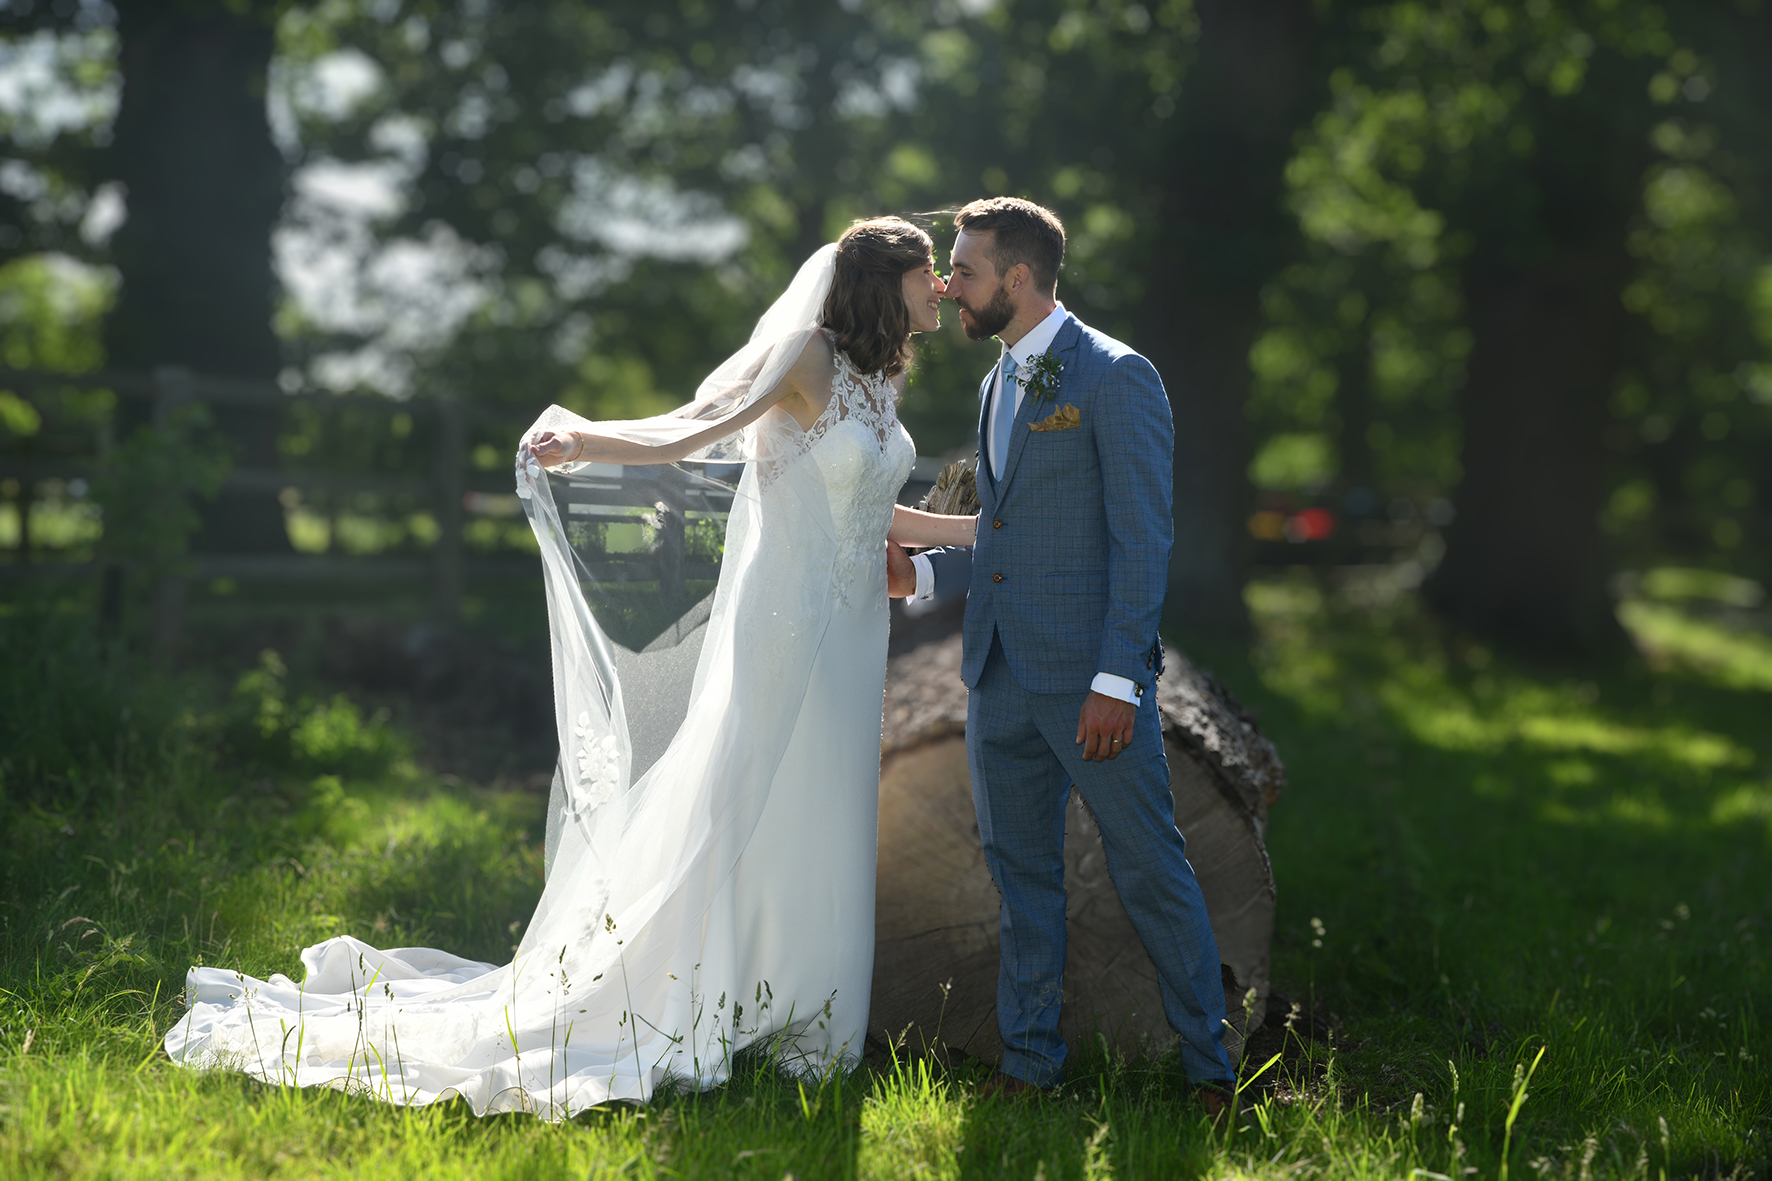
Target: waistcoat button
996 524
996 578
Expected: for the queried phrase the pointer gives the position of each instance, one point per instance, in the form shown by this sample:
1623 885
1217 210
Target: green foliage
327 735
59 113
1441 154
51 309
146 487
51 313
1293 461
611 193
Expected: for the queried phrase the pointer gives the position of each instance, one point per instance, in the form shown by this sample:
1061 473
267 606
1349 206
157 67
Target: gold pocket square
1065 419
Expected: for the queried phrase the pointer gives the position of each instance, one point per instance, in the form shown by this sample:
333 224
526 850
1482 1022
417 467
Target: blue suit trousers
1024 761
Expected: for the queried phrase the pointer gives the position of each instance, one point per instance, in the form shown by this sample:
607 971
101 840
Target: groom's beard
984 323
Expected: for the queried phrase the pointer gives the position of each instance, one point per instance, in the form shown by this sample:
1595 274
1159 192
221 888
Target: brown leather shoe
1007 1086
1217 1103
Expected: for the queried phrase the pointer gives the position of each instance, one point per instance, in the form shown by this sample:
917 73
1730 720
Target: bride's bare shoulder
811 371
819 351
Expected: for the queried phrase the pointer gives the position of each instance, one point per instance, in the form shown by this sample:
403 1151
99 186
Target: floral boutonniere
1039 379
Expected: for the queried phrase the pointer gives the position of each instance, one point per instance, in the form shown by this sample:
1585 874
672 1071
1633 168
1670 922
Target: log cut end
935 956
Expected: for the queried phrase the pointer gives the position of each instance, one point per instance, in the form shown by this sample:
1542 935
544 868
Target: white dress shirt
1038 339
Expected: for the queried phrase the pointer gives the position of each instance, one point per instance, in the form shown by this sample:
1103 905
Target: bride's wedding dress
726 898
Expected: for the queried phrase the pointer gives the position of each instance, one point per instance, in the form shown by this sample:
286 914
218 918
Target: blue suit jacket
1072 555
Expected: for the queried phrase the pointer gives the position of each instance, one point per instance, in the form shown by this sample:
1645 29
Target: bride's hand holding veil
553 448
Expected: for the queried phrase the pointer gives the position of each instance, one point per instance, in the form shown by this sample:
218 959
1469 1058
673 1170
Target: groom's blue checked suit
1066 580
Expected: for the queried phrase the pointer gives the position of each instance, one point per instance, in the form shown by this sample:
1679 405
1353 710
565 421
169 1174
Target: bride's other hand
553 448
915 527
901 574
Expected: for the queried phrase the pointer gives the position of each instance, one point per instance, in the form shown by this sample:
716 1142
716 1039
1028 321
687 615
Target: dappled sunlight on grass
1487 840
1744 804
1672 636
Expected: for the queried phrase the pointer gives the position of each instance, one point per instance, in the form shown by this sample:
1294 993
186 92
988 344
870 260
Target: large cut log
935 953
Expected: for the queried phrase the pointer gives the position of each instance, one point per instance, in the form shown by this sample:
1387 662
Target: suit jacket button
996 578
996 524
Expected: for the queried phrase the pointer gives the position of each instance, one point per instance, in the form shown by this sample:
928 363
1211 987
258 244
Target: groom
1065 586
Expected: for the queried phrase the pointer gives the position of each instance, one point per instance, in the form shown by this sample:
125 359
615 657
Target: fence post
172 389
448 479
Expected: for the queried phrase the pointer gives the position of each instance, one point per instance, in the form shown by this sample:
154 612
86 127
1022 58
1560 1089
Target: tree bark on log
935 950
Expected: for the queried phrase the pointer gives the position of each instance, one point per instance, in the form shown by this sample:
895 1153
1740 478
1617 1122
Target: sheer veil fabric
675 925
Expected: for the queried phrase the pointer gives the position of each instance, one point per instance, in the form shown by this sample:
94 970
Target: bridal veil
608 993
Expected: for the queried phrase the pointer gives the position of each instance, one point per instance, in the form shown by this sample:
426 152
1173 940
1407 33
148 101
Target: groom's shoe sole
1007 1086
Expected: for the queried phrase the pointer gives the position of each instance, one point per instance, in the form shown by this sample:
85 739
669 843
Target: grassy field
1525 909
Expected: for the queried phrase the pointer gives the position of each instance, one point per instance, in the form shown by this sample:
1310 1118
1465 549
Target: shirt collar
1039 338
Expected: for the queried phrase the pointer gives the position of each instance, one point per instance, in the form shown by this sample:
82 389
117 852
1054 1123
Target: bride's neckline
841 364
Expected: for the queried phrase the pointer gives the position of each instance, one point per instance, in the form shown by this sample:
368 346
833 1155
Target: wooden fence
450 486
448 482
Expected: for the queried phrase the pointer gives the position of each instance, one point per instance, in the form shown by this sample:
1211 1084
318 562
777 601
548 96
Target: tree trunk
204 189
1224 233
1524 559
935 951
1525 562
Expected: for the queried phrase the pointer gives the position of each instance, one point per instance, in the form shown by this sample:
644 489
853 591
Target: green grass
1483 864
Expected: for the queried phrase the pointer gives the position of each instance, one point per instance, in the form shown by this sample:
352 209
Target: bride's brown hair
865 310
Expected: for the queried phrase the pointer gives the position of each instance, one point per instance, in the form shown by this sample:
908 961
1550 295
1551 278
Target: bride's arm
553 448
915 527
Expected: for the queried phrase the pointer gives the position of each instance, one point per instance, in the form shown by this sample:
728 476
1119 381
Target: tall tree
1221 232
204 186
1525 157
1544 289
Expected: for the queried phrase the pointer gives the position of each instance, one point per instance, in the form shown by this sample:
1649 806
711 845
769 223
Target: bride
725 898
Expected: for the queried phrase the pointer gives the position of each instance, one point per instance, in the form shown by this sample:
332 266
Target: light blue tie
1003 416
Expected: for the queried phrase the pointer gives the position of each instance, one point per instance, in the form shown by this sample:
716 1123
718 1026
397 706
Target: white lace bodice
864 455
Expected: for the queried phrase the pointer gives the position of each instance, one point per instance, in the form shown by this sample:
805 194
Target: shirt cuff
1119 688
925 579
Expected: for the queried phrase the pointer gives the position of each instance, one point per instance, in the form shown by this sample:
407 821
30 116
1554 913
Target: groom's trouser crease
1024 762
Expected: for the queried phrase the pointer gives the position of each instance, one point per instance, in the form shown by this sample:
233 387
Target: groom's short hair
1020 232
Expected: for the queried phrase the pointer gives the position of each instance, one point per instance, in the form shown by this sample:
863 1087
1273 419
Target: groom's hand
901 574
1104 719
